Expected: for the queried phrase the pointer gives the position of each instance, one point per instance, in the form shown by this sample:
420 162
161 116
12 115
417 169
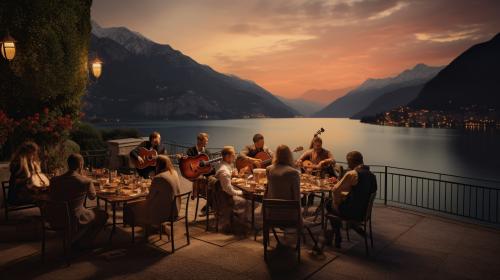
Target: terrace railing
438 193
458 196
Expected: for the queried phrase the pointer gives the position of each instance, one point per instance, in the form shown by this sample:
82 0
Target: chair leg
299 231
276 236
160 229
265 241
172 235
196 208
365 236
207 215
371 234
43 243
6 212
187 230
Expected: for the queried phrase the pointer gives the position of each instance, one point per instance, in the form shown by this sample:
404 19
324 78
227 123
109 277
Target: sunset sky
291 46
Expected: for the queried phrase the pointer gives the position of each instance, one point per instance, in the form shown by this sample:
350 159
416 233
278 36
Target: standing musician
250 151
153 143
322 159
200 185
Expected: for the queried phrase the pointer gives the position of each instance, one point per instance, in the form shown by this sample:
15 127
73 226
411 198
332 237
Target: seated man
200 185
153 143
224 173
359 183
73 186
321 158
250 152
157 207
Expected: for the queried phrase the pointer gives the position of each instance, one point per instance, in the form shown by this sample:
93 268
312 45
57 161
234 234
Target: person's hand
140 160
299 163
257 162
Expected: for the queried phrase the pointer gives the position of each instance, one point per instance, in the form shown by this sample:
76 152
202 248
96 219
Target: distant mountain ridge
324 96
390 100
305 107
471 79
145 80
360 98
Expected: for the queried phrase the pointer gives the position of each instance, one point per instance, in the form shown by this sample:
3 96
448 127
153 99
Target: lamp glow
8 47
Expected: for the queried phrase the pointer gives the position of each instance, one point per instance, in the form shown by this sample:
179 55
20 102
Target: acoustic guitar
244 163
193 167
148 155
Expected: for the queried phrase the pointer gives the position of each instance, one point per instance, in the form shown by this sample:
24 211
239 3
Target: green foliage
88 137
50 67
118 133
48 74
57 155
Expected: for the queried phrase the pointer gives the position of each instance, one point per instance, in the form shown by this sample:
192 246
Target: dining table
117 192
254 190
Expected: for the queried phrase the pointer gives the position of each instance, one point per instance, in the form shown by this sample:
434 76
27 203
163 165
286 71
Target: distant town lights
96 68
8 47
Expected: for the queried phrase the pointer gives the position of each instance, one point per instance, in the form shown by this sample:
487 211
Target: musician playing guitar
200 185
155 147
318 158
250 152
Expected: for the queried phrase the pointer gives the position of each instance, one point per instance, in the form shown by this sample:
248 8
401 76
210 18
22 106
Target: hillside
471 79
360 98
145 80
390 100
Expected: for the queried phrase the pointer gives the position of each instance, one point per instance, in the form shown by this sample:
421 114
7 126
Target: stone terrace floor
407 245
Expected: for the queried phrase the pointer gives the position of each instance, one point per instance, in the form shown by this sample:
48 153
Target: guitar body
148 155
242 162
193 167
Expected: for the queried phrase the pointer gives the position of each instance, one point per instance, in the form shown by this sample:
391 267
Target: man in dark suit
74 187
200 185
153 143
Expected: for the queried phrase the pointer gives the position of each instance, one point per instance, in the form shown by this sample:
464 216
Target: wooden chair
172 220
364 223
269 223
10 208
201 189
57 216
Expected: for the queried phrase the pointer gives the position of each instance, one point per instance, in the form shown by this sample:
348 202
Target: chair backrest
279 206
57 214
369 208
181 197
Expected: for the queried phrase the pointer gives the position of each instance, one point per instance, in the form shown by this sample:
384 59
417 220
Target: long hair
314 140
163 164
283 156
21 155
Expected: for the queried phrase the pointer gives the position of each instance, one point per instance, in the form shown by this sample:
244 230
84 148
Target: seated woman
283 179
24 163
157 207
230 201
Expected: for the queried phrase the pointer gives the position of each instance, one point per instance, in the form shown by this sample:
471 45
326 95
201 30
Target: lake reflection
438 150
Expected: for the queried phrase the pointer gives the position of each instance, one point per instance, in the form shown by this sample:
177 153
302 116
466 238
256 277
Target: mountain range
360 98
142 79
303 106
471 79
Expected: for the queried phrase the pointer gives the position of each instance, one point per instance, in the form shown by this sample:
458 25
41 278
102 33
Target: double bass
308 165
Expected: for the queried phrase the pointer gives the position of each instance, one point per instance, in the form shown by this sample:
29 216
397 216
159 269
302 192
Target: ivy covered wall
50 69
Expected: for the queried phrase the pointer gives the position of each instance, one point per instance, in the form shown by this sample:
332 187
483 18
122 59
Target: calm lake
438 150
